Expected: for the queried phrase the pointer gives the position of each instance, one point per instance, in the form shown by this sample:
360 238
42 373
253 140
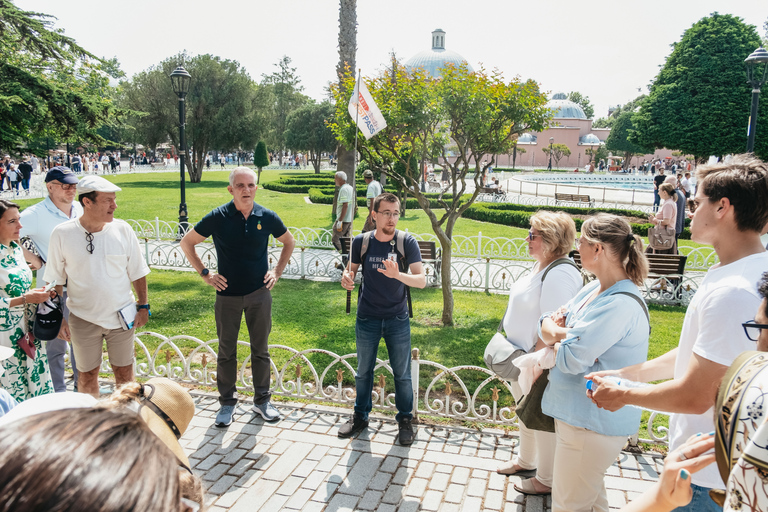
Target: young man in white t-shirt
732 210
345 212
374 190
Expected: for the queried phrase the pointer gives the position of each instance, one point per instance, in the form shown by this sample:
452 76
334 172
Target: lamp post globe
180 80
757 74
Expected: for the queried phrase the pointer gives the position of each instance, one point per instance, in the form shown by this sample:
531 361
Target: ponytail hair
615 234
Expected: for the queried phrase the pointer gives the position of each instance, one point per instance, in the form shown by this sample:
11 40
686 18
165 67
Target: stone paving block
230 497
325 492
616 498
299 499
222 484
370 500
402 475
305 468
290 486
436 445
480 473
249 443
460 476
314 480
336 452
241 467
439 481
472 504
416 487
274 504
431 500
390 464
613 470
288 461
462 460
497 481
380 481
280 447
327 463
249 478
425 470
449 507
342 503
360 474
408 505
494 500
203 452
469 451
255 497
349 458
627 484
321 428
444 468
233 456
486 454
476 487
513 507
455 493
451 448
411 463
534 504
215 472
394 494
313 506
317 452
209 462
513 495
265 462
386 508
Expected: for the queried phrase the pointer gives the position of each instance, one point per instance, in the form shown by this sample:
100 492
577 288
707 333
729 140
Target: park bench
433 186
662 267
574 198
156 165
430 257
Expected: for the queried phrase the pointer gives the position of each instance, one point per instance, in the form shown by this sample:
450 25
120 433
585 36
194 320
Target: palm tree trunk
346 67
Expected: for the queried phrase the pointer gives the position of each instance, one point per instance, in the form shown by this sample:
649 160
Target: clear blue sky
606 49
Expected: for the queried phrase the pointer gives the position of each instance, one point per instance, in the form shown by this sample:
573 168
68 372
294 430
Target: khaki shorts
88 343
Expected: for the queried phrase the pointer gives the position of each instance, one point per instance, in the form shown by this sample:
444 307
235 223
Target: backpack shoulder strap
364 247
642 305
561 261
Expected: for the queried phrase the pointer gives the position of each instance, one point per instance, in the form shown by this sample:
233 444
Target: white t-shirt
529 298
346 195
98 284
726 298
374 190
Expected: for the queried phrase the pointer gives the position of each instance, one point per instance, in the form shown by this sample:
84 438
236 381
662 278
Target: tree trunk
258 176
514 157
445 278
346 66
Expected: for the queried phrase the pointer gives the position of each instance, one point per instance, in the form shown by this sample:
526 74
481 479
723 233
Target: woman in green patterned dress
24 377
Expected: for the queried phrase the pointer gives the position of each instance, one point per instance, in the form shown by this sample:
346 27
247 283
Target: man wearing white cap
99 258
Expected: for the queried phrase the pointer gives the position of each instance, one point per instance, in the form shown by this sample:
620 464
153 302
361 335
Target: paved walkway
299 463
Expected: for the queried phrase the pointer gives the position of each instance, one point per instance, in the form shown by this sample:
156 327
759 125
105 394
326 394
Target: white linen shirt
98 284
38 222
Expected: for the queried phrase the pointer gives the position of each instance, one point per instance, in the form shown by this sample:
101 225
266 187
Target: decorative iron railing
464 393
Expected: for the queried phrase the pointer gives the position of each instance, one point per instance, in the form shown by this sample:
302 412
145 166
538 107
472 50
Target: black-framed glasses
752 329
89 239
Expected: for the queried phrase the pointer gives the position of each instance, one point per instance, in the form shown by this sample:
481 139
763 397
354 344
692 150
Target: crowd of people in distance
572 344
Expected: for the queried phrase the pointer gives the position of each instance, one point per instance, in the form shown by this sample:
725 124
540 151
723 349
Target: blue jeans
656 200
396 332
701 501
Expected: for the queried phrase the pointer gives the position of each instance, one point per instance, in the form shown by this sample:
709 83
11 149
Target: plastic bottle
619 382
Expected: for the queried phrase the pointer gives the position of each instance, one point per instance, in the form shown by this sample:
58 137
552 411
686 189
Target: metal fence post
487 273
479 244
415 380
157 229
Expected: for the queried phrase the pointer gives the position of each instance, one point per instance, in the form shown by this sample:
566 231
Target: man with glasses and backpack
386 256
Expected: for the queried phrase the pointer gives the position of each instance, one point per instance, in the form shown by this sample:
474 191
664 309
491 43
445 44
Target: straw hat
167 408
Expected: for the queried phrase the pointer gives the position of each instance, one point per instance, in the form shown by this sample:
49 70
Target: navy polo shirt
241 244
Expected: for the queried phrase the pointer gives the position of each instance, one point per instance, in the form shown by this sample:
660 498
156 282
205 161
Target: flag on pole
364 110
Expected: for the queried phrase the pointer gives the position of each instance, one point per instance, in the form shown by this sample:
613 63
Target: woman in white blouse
553 282
666 217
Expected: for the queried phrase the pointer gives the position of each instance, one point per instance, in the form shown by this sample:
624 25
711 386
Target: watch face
205 272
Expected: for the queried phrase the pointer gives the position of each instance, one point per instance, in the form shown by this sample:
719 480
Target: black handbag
528 410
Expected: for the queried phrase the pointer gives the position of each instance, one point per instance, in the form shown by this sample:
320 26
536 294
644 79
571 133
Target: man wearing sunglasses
757 329
99 258
38 222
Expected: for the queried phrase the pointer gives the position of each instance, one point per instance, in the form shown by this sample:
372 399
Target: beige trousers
581 459
536 449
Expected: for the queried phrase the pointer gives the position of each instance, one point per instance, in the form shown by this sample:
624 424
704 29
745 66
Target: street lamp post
551 140
180 79
756 78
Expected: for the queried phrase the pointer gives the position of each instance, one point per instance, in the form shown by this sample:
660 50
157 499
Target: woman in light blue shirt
605 326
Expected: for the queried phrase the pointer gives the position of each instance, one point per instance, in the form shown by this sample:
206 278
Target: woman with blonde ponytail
605 326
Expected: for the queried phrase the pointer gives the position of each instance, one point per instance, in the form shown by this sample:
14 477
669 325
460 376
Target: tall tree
699 102
220 107
583 102
308 130
481 114
49 85
284 89
346 68
260 158
618 139
558 151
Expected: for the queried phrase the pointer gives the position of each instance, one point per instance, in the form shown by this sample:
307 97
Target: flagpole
357 113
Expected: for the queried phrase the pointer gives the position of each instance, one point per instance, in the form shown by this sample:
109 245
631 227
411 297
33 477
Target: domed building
565 108
432 61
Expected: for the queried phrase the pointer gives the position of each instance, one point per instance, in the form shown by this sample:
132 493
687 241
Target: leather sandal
508 468
527 487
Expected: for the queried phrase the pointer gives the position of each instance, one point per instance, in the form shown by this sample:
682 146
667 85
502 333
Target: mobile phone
50 286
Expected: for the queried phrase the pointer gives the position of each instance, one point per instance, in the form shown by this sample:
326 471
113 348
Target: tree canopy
49 85
699 102
583 102
618 139
220 107
476 114
281 92
307 130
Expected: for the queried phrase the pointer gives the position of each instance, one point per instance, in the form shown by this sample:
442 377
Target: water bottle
619 382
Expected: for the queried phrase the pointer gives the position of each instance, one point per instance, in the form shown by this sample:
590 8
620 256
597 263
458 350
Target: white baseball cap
96 184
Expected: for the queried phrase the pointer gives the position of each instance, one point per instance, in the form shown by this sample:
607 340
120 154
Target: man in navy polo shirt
382 312
240 231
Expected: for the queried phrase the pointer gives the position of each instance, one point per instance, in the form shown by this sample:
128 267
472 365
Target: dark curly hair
762 289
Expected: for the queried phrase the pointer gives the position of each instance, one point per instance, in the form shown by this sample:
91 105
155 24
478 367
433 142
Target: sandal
508 468
527 487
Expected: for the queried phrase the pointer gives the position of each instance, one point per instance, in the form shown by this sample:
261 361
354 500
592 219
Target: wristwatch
204 272
144 306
